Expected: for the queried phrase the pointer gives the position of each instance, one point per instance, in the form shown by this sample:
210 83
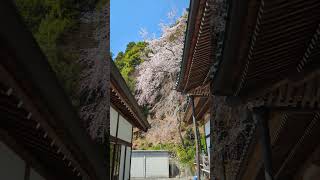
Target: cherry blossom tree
156 79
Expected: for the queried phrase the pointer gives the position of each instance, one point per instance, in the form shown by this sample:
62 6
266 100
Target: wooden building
41 135
125 114
258 59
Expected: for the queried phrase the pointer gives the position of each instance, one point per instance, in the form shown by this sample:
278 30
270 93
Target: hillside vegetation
51 21
73 35
129 60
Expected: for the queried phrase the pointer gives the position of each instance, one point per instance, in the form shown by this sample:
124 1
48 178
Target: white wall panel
127 170
122 161
207 129
157 165
125 129
113 121
12 167
137 165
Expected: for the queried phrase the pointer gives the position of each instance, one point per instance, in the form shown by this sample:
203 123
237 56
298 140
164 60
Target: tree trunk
180 135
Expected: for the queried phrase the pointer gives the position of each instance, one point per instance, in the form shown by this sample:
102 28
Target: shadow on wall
174 170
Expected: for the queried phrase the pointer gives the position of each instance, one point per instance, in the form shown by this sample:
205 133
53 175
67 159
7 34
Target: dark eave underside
284 40
196 60
202 105
280 40
124 110
19 125
294 136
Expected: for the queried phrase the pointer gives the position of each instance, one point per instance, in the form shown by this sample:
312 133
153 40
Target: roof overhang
293 137
283 42
202 106
122 98
196 59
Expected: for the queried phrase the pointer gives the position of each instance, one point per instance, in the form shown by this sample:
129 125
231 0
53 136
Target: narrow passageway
171 89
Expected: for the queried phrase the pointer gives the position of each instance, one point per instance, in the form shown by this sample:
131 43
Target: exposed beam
261 116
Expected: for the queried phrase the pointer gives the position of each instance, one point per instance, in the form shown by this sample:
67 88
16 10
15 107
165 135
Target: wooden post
196 138
260 115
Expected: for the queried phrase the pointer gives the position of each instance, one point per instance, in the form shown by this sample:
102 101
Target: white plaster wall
113 121
125 130
122 161
207 129
12 167
128 165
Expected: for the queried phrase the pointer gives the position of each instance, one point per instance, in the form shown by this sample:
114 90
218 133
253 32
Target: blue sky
128 17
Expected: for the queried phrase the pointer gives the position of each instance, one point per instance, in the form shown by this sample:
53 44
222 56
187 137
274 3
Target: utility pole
196 138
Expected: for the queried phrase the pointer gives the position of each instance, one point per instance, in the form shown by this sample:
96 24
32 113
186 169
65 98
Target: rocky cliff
94 77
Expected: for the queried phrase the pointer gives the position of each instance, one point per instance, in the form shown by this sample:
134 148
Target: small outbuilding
150 164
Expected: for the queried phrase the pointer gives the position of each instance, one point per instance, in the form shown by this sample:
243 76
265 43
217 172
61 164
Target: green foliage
145 110
100 4
127 61
184 154
204 144
50 21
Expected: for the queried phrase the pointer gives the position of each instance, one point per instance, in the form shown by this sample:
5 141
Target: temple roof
196 58
124 101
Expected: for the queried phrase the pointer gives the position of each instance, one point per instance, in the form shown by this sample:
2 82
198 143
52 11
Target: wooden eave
196 60
201 104
122 98
36 112
294 136
284 40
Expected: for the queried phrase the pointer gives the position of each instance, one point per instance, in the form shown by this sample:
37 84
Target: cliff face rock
74 35
232 131
94 77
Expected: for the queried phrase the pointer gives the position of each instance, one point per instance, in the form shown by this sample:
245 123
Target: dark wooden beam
261 116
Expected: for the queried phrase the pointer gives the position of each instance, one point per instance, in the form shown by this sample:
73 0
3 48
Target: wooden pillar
260 115
196 138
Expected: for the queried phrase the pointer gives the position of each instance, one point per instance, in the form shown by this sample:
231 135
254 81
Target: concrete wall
150 164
